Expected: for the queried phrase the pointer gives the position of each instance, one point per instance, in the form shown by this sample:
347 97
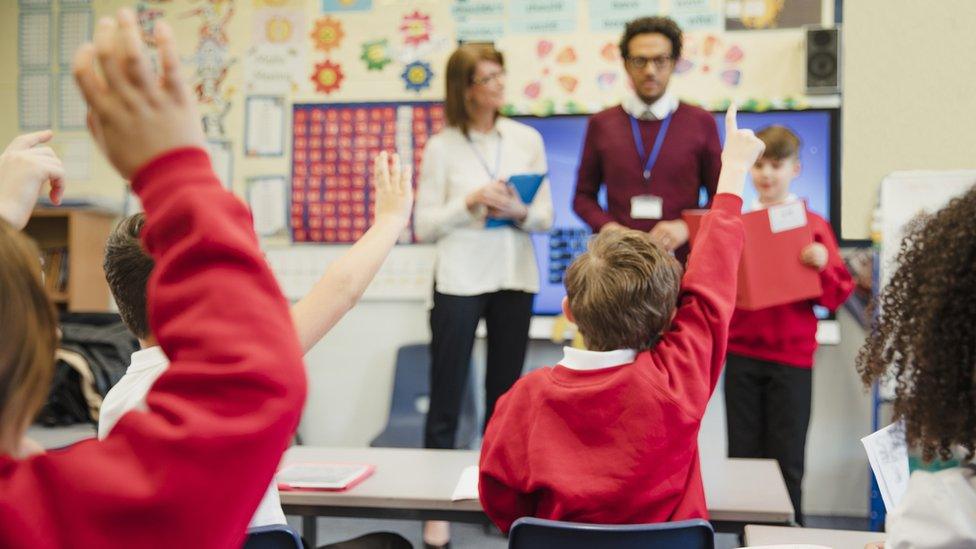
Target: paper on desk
888 456
467 486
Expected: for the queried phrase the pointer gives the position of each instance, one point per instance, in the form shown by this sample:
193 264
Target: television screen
563 137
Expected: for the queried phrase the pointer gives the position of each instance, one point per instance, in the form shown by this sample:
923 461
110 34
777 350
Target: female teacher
482 271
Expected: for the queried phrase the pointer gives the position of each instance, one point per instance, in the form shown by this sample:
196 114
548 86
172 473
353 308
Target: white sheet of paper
784 217
467 486
265 126
888 456
222 158
267 197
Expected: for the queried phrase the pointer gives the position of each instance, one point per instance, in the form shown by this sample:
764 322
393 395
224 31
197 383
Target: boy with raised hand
189 470
128 268
610 435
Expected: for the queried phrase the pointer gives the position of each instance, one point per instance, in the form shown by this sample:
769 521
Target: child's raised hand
25 166
814 255
134 114
742 147
392 188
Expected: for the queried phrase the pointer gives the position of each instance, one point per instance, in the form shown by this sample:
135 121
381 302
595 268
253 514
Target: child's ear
566 311
796 168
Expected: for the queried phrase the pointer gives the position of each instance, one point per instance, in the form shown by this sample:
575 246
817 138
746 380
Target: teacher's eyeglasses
660 62
488 79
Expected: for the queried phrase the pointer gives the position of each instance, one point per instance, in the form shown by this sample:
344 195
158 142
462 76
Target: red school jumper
619 445
190 471
787 334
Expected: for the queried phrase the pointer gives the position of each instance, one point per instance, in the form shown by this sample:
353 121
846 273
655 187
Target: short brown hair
652 25
127 269
623 291
460 73
28 323
781 142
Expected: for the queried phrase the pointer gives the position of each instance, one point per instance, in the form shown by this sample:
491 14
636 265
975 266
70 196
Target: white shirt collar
579 359
145 359
636 107
757 205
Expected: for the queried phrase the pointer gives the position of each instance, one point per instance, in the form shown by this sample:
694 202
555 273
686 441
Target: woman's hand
509 206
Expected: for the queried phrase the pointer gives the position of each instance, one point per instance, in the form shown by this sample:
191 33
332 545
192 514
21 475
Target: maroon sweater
691 157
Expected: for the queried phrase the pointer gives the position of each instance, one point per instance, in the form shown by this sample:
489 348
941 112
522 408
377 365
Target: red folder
770 271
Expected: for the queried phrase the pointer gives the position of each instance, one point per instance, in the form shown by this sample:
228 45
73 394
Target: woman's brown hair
925 334
460 74
28 324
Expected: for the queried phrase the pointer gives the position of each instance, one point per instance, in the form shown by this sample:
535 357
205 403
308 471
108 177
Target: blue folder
526 185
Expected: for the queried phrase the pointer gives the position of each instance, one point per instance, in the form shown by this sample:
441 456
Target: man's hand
25 166
134 114
392 189
742 149
814 256
670 235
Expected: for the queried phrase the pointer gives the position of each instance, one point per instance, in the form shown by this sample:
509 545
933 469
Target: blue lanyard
655 150
484 163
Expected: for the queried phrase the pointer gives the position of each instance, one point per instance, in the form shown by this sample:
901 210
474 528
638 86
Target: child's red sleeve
835 279
693 350
190 471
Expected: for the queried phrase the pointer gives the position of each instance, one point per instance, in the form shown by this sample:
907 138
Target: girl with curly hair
925 340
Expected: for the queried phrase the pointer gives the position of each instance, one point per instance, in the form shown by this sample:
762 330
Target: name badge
787 216
646 206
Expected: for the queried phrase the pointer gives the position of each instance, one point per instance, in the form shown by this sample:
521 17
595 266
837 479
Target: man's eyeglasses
660 62
485 80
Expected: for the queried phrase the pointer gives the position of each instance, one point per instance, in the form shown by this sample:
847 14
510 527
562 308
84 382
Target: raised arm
220 417
694 349
346 278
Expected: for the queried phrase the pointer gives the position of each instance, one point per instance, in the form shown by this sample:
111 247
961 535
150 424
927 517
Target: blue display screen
563 137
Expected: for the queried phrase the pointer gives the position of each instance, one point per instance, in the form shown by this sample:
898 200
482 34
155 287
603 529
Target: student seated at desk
769 372
165 477
610 435
925 338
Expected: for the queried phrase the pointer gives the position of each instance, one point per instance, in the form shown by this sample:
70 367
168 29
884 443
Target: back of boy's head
781 142
623 291
28 324
127 269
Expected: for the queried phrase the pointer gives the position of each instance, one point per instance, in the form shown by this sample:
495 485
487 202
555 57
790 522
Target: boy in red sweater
189 469
768 374
609 435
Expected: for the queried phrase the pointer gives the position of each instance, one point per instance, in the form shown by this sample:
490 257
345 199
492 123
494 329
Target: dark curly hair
925 334
649 25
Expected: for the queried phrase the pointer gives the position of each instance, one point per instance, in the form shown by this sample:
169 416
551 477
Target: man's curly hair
925 334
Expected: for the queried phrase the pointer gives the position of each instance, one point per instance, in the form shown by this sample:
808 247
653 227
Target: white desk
838 539
417 484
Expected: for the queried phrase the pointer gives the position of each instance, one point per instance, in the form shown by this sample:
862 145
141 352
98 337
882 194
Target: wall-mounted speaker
823 60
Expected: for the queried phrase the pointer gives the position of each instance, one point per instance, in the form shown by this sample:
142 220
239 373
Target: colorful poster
613 15
271 69
775 14
346 5
543 16
479 20
280 27
334 146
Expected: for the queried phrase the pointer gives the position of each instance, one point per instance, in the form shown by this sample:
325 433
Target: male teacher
653 153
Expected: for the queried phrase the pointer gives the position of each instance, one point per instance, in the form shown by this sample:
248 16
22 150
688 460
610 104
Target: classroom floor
472 536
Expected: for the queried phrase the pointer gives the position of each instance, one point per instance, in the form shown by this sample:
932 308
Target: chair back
535 533
273 536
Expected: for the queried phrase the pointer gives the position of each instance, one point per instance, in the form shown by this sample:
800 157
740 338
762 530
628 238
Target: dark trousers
767 407
453 322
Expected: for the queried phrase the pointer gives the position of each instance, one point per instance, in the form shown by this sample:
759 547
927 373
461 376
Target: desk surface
738 490
782 535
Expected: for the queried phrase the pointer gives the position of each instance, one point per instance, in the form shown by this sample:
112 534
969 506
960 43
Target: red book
770 271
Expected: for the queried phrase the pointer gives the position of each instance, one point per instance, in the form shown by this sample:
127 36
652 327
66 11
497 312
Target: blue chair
273 536
411 386
534 533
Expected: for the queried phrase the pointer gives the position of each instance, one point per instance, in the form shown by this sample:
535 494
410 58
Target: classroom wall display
771 14
334 147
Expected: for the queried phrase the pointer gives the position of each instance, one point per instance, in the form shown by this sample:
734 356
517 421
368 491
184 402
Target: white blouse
938 511
472 259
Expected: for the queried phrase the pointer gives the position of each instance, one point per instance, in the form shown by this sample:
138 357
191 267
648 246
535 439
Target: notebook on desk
322 476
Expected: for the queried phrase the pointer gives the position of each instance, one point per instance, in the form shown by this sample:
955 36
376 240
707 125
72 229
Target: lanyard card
646 206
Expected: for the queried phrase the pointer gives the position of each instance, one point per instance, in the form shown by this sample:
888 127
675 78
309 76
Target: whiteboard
907 194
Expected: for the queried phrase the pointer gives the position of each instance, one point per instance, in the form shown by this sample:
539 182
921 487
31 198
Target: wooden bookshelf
82 233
